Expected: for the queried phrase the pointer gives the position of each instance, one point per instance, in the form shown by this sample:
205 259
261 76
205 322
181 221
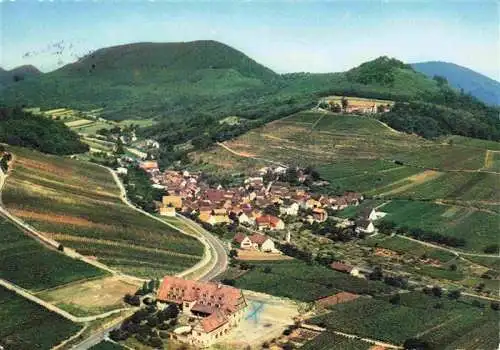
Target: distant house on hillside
371 214
345 268
364 226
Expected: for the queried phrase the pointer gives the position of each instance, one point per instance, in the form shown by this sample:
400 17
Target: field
310 282
28 326
331 341
90 297
312 138
405 246
478 228
27 263
78 205
416 316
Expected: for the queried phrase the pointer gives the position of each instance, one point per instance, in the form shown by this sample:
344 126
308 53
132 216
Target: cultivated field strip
27 263
79 203
26 325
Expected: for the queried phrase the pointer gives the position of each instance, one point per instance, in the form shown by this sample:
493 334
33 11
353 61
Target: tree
453 267
233 253
437 291
440 80
4 165
395 299
495 305
119 149
344 103
376 274
60 247
415 344
171 311
491 249
156 343
454 294
267 269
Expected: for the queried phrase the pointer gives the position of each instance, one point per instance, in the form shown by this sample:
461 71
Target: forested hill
189 87
8 77
20 128
474 83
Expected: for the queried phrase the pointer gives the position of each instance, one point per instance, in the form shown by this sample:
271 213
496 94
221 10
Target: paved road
218 249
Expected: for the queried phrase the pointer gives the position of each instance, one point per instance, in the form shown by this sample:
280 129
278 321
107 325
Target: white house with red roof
256 241
218 308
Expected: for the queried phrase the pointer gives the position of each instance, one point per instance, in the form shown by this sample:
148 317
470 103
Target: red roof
178 290
268 220
213 321
258 238
341 267
239 237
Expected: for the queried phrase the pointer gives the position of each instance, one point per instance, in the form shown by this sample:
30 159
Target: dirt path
432 329
227 148
417 179
455 252
354 336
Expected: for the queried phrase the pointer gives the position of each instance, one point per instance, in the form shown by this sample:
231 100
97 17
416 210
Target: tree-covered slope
474 83
8 77
45 135
146 80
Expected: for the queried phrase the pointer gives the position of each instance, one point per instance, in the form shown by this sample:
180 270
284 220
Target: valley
183 196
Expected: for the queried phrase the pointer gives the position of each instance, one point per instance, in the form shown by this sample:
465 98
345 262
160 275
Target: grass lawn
310 282
28 326
29 264
439 321
78 204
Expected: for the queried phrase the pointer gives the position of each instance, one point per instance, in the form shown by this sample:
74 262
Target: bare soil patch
59 219
258 255
92 295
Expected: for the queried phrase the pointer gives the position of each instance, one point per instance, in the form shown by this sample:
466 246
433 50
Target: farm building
216 307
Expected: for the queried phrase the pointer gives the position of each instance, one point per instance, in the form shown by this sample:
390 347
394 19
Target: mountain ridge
460 77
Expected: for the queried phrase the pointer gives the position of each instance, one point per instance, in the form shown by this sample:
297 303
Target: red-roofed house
255 241
219 308
270 222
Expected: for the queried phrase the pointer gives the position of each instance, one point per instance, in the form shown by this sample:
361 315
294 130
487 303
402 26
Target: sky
286 36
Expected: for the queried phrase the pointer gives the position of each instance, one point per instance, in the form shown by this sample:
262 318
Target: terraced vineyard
330 341
478 228
78 205
451 325
28 326
311 282
359 153
27 263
